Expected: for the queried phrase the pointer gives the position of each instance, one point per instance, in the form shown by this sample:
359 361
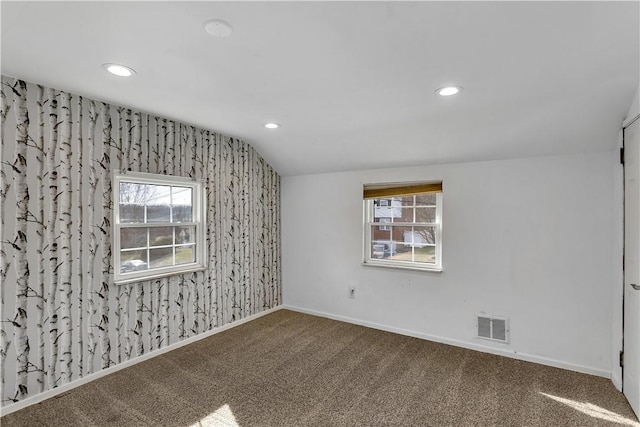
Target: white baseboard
94 376
464 344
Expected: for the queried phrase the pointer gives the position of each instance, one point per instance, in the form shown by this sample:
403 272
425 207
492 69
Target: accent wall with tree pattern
62 316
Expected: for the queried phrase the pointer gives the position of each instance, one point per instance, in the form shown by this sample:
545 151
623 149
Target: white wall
530 239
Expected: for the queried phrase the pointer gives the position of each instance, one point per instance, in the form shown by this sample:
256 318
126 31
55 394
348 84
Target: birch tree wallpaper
62 316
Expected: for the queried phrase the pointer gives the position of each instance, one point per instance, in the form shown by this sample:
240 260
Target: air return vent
492 328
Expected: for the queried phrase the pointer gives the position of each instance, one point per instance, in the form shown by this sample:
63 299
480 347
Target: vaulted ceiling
351 83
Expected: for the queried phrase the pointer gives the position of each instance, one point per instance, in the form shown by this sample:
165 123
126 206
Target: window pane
402 243
425 254
406 215
406 200
158 195
131 214
158 213
185 254
131 193
386 208
161 257
160 236
133 238
182 198
133 261
426 214
158 203
426 199
378 234
185 235
404 253
423 236
132 199
381 249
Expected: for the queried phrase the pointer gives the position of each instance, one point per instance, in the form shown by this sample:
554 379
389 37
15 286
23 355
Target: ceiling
351 83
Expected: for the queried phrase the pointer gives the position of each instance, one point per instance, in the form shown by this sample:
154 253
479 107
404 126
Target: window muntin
404 231
159 227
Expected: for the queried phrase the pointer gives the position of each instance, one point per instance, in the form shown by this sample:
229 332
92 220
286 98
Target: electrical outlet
352 292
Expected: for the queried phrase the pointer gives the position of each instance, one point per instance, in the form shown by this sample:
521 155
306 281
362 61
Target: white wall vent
494 328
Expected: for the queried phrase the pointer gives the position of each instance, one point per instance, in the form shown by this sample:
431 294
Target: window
384 227
403 225
158 226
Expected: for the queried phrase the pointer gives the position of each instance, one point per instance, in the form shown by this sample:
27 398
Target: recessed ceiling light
119 70
218 28
271 125
448 90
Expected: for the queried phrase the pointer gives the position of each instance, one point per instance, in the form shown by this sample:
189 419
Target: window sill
397 266
158 275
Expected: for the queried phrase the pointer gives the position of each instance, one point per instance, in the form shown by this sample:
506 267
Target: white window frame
198 221
370 222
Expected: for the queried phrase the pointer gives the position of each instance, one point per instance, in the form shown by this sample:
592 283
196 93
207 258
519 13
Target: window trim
198 221
369 222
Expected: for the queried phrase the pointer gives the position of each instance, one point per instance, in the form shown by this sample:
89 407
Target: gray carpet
292 369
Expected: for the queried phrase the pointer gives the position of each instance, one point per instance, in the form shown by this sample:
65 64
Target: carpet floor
293 369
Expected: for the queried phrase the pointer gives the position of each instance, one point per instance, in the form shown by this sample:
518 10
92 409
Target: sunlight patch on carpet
594 411
222 417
